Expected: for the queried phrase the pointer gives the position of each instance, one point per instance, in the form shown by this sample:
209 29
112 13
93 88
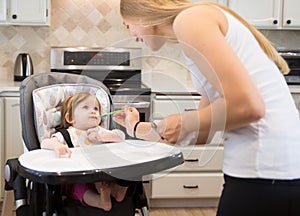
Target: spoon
110 113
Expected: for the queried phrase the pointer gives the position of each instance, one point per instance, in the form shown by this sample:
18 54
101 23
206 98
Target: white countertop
161 83
294 88
9 88
158 84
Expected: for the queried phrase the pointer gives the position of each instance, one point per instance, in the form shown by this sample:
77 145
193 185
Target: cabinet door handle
188 109
16 105
275 22
191 160
190 186
14 16
288 22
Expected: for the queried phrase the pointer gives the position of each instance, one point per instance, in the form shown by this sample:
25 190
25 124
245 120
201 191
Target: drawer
183 185
164 105
201 158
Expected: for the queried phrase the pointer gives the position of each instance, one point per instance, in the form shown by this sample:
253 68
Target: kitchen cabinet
290 14
2 11
164 105
224 2
29 12
198 181
268 14
10 133
260 13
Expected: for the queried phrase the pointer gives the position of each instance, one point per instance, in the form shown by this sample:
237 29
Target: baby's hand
63 150
60 148
93 135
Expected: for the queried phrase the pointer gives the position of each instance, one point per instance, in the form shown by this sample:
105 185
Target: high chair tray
128 160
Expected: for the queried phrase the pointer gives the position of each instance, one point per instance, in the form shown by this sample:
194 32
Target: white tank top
269 148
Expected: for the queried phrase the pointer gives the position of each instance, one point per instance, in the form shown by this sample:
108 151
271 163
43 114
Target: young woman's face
150 35
87 114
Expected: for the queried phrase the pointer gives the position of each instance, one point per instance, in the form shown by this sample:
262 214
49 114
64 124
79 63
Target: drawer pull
191 160
190 186
188 109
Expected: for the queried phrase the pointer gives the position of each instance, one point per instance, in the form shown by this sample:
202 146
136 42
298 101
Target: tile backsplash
93 23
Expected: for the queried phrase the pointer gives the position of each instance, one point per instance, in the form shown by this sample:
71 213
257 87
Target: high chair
37 176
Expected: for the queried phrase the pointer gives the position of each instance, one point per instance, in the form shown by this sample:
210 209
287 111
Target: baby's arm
104 135
55 144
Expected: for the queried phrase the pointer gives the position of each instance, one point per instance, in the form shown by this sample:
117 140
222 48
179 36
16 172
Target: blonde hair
155 12
70 103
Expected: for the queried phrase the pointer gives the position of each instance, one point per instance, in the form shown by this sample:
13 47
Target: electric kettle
23 67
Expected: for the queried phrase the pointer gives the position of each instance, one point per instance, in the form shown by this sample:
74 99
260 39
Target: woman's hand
128 118
177 128
170 128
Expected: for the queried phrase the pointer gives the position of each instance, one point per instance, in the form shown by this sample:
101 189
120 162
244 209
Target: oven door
143 107
142 103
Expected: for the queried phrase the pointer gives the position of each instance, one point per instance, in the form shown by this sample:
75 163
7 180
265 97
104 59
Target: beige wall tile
93 23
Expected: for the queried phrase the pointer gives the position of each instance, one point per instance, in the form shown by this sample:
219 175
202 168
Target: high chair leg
8 203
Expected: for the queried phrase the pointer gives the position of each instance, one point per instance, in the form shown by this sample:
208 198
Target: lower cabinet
187 185
197 182
10 135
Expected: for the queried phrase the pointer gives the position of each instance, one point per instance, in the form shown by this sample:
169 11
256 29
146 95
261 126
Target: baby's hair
70 103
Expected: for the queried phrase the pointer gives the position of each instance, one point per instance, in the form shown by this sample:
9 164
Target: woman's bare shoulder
200 16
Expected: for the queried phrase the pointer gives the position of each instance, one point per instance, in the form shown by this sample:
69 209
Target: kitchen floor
176 212
183 211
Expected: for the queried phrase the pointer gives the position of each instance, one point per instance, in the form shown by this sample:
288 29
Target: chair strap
66 136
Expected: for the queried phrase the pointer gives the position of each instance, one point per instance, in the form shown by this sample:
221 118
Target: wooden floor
177 212
183 211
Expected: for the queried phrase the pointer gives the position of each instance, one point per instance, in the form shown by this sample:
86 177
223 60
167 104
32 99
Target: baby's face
87 114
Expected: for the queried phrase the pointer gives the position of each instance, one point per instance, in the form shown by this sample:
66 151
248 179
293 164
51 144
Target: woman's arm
201 32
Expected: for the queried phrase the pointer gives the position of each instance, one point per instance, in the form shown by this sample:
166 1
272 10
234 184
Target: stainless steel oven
120 69
292 57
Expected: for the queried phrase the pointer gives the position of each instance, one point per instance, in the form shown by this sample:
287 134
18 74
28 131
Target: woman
239 75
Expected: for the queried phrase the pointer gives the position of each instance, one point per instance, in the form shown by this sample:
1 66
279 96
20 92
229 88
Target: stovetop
120 69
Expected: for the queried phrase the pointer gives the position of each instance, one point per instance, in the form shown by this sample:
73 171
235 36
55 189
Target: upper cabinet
224 2
260 13
2 10
268 14
29 12
290 14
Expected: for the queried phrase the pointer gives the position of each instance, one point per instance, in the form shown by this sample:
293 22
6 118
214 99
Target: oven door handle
138 105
